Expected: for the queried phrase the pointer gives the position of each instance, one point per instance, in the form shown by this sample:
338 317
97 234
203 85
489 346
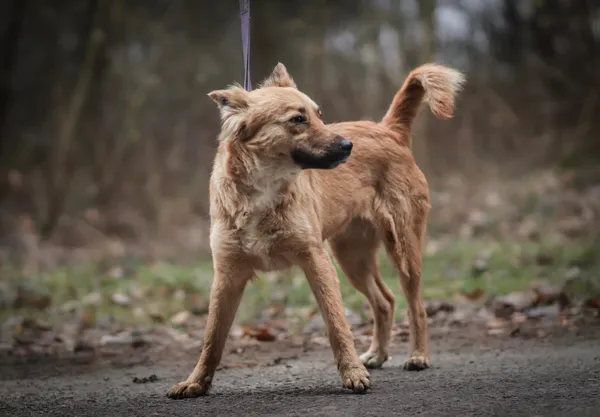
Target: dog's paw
187 389
373 360
356 378
417 362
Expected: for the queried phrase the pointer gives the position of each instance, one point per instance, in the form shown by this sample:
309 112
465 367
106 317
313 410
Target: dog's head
278 125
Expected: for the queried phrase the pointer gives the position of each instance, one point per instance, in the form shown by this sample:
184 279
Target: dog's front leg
325 285
226 293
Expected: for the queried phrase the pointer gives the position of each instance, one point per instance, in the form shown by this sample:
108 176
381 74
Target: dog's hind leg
355 250
403 240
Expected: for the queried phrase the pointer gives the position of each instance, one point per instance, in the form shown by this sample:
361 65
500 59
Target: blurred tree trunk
428 30
513 44
8 59
266 40
60 164
427 54
311 33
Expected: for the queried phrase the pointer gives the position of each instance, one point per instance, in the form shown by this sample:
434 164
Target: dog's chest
268 236
258 233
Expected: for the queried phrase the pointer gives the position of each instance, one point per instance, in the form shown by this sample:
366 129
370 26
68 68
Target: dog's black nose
346 145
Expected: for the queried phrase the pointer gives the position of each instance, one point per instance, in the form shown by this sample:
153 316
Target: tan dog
275 198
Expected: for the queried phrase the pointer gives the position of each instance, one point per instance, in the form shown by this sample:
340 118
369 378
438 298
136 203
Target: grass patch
168 288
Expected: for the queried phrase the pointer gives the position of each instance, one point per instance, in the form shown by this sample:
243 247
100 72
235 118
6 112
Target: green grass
510 267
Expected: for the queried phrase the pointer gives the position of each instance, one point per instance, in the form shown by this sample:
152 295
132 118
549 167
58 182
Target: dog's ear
230 101
279 78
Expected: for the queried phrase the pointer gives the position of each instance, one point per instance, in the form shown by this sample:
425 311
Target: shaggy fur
268 212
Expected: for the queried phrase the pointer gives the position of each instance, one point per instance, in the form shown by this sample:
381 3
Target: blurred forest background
107 139
107 136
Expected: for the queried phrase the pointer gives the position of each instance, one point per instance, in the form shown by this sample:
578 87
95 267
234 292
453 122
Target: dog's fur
268 213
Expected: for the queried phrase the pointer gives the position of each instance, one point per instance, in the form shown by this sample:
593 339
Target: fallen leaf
497 323
262 334
138 293
528 229
434 307
458 317
120 299
592 303
546 294
70 306
518 318
496 332
123 338
542 311
178 336
320 340
179 295
30 297
181 318
87 318
163 291
116 272
474 294
92 299
484 314
506 305
573 273
401 332
237 332
132 338
42 325
138 312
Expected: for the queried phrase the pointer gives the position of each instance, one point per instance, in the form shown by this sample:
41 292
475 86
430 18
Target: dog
284 182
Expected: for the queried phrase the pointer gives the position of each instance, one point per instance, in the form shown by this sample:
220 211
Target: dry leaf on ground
262 334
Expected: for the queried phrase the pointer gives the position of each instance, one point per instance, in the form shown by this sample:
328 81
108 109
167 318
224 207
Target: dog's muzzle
335 155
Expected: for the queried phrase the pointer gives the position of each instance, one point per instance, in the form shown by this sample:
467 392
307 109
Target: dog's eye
299 119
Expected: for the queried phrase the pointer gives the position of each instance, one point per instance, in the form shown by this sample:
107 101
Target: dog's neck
244 186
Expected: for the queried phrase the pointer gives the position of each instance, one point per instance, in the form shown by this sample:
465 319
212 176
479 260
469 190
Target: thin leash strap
245 17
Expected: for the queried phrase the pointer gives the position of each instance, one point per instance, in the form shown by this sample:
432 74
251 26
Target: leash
245 18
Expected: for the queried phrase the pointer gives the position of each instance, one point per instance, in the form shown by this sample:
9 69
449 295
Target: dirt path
558 376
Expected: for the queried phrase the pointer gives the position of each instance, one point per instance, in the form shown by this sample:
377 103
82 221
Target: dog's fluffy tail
436 84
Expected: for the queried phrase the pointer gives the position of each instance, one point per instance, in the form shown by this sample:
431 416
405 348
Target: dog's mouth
333 157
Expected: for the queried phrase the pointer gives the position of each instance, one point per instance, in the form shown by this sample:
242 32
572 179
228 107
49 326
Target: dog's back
382 166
